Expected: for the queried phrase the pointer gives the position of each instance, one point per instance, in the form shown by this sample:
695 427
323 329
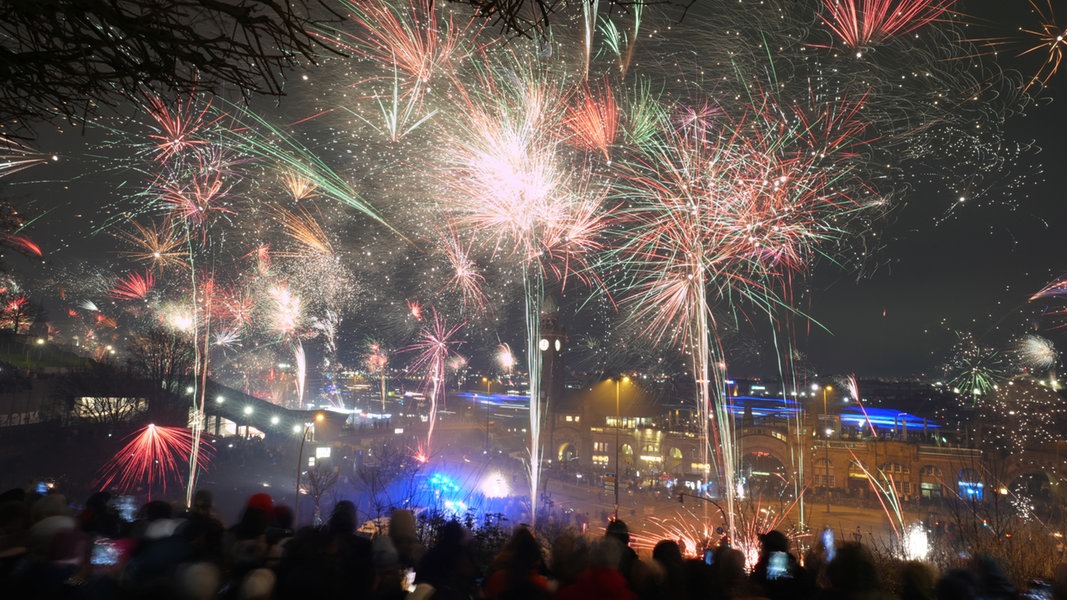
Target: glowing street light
488 392
618 382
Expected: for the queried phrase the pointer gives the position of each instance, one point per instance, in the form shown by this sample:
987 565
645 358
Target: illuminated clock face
559 345
544 345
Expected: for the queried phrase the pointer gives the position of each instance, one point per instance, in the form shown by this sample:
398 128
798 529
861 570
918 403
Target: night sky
970 269
943 266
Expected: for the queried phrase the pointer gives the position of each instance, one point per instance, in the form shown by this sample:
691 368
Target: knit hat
261 502
617 529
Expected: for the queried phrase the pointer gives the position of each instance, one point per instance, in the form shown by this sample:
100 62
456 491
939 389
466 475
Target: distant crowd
49 551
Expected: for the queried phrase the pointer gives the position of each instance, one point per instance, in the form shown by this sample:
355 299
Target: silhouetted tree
68 57
163 357
525 16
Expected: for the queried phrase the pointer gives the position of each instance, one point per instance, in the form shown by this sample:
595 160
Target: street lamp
826 458
618 471
826 443
319 418
488 392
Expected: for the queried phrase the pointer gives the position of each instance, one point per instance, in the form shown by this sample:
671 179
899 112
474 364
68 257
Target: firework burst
1037 353
154 457
861 23
160 245
434 348
973 370
135 286
178 125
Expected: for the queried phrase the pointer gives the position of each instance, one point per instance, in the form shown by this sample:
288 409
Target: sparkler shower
688 171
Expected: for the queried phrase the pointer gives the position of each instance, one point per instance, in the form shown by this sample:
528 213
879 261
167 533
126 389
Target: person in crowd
994 584
729 580
667 555
448 570
958 584
245 544
641 576
98 518
405 538
518 571
852 575
917 581
777 573
389 575
203 529
601 580
569 557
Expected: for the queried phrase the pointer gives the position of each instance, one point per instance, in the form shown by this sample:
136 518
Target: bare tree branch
61 58
525 17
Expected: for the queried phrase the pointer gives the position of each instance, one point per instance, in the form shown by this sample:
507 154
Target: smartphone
409 580
778 566
126 507
105 553
709 557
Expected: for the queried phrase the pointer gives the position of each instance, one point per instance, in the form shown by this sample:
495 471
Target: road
650 515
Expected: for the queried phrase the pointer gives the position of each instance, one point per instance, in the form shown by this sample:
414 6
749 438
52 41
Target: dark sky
969 270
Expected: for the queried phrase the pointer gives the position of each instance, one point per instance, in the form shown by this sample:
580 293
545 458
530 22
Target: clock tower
552 344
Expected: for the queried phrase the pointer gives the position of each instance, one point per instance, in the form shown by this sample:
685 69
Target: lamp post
826 459
488 392
826 444
319 418
618 471
725 521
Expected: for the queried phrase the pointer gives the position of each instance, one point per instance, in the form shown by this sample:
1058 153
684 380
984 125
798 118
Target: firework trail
861 23
885 490
413 38
594 121
16 156
299 186
622 44
1055 289
285 317
725 213
181 126
301 372
376 361
153 458
511 191
853 388
303 228
20 243
435 347
466 277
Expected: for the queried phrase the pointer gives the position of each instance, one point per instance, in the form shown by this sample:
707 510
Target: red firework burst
154 457
135 286
860 23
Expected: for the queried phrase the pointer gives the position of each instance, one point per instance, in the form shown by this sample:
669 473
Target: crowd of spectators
49 551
